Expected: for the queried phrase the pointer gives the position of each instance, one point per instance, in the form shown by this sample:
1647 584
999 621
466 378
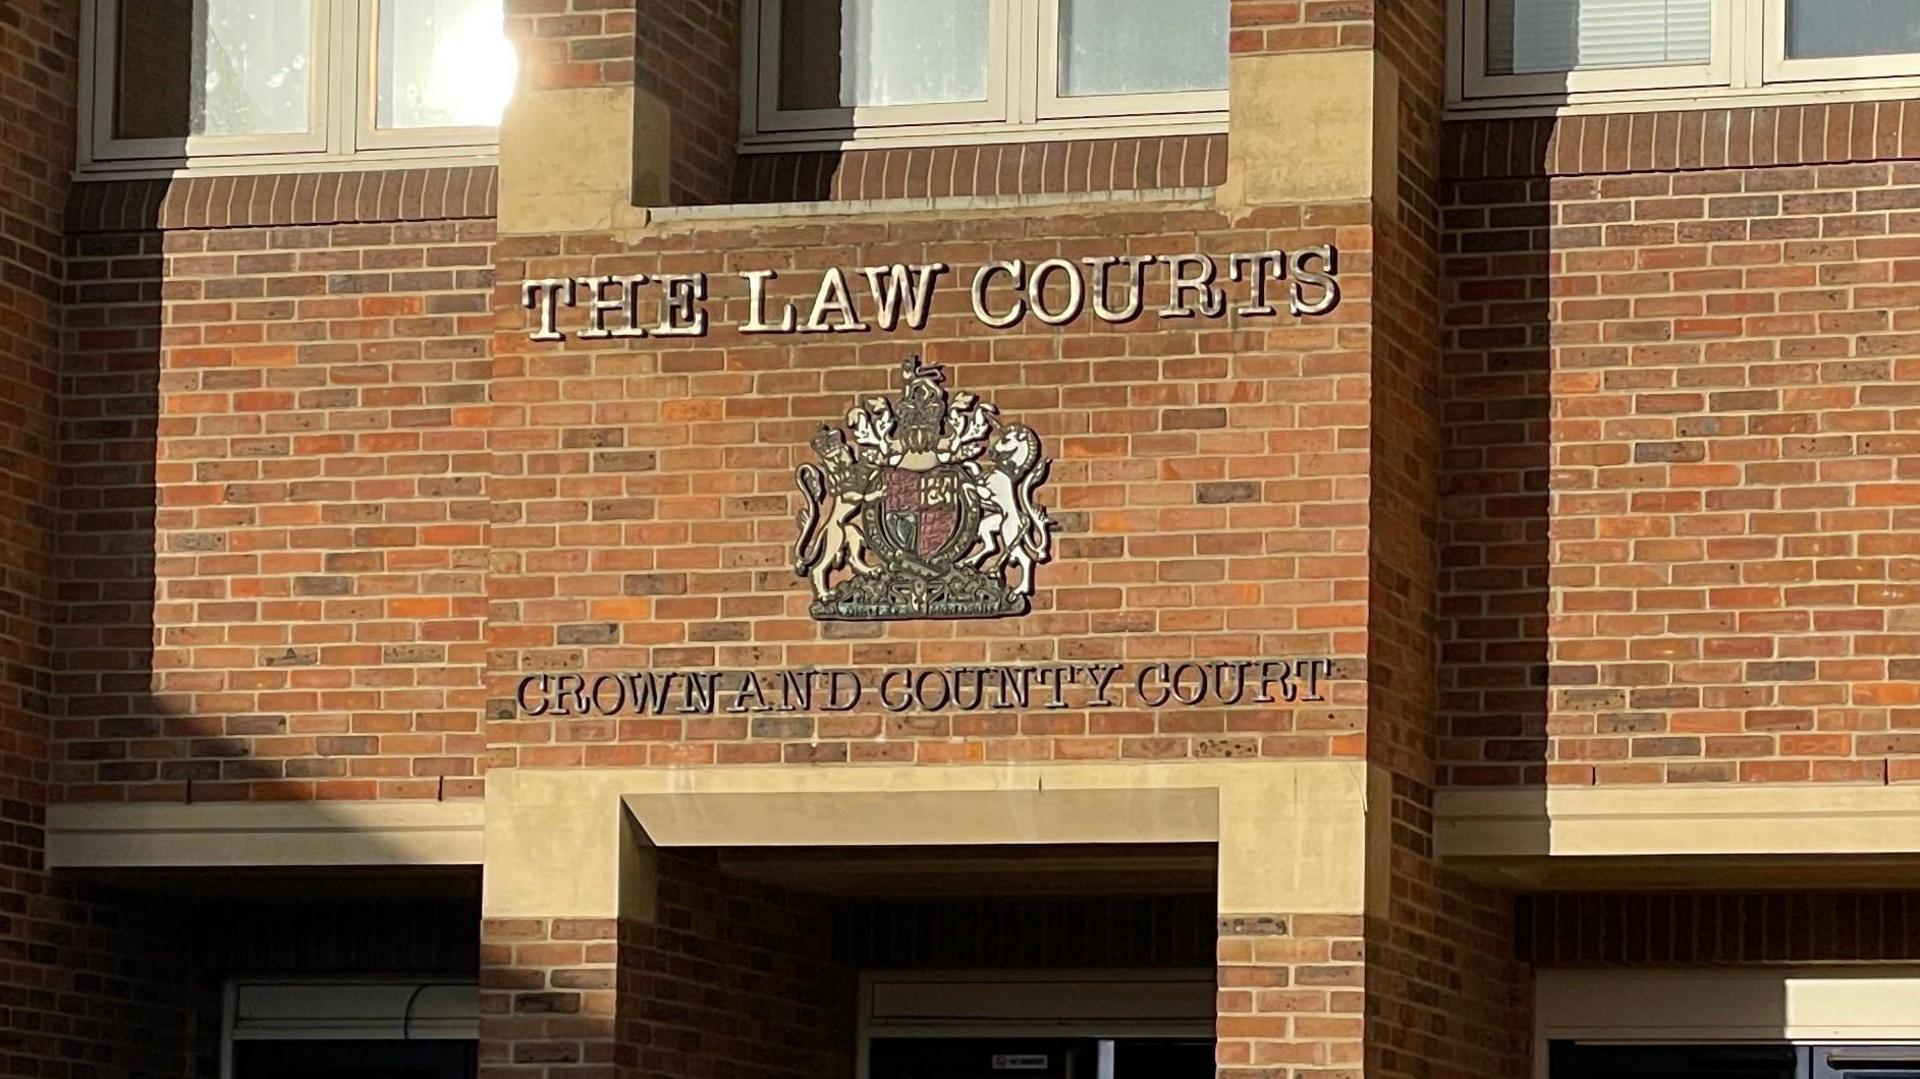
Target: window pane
213 67
442 63
1852 27
845 53
1526 37
1142 46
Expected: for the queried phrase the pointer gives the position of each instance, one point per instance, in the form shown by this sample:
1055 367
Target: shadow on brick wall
1494 544
273 487
108 503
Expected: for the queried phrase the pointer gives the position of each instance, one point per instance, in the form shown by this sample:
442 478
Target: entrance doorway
1574 1060
351 1028
336 1059
1859 1021
1037 1024
986 962
1041 1058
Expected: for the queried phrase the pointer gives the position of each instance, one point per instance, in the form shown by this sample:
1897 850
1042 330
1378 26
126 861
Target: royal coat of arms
931 508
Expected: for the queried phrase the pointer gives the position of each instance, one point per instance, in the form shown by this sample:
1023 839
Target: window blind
1530 37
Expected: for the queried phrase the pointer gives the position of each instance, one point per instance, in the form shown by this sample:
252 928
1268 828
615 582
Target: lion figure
830 535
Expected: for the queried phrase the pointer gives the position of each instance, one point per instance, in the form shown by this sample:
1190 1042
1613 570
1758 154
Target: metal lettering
757 305
1015 688
571 689
1276 672
520 694
545 294
619 695
1056 679
1100 675
1037 292
749 687
833 297
1187 683
1193 274
835 703
1178 680
1324 279
962 676
940 682
682 311
698 691
598 305
1140 685
1265 266
1015 269
1056 291
1315 668
905 700
1239 670
796 690
916 292
648 693
1102 268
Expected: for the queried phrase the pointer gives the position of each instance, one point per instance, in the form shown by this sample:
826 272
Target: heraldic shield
930 508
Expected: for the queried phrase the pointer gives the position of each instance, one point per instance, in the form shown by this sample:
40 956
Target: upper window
267 83
1571 51
960 70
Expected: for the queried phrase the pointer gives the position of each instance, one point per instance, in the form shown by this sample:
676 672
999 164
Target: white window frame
1747 65
363 107
765 28
1780 68
1652 77
342 96
1054 106
1023 100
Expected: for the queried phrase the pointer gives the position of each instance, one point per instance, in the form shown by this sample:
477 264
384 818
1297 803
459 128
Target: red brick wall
645 497
1068 167
687 57
547 997
1703 384
729 979
733 980
89 977
1292 996
275 509
1269 26
34 160
1445 995
1210 481
562 43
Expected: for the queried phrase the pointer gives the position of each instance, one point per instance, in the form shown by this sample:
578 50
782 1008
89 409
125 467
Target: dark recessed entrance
335 1059
984 962
1041 1058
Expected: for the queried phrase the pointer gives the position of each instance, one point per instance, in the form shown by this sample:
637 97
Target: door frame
1806 1005
1033 1003
452 1012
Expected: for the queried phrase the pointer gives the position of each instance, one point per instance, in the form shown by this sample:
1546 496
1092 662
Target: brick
1653 557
